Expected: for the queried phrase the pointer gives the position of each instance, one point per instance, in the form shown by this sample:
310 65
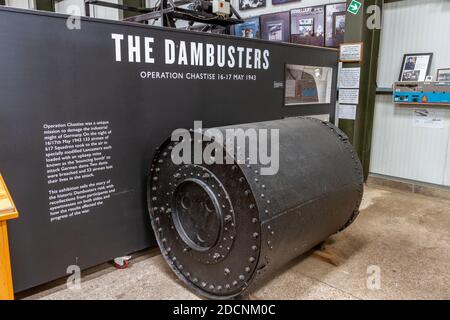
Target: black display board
78 128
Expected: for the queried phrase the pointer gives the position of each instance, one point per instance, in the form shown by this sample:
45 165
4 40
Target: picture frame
415 66
443 75
308 25
338 24
335 15
276 26
351 52
307 85
250 28
251 4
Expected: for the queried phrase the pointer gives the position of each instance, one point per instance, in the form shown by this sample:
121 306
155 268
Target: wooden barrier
7 211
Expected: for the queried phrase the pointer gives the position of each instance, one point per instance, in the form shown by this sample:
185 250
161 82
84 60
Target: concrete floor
406 235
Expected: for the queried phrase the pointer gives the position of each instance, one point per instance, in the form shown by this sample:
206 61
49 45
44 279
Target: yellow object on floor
7 211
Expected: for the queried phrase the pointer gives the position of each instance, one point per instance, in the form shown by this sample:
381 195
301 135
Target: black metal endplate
206 223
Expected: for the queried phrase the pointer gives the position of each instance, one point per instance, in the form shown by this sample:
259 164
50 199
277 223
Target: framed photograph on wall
335 24
251 4
443 74
338 24
308 25
275 26
415 66
248 29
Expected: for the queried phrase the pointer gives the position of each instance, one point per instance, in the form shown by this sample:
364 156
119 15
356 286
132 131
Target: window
133 3
45 5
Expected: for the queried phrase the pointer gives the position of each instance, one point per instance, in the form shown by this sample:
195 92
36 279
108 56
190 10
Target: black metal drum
223 227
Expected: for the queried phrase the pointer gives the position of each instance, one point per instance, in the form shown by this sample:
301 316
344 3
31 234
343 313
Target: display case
307 84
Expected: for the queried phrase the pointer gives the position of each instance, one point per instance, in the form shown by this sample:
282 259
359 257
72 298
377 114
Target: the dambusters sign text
188 53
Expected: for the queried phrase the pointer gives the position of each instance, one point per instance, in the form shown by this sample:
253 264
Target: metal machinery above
210 12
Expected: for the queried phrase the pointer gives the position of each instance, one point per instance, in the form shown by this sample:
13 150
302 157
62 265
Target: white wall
106 13
399 148
412 26
24 4
64 6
